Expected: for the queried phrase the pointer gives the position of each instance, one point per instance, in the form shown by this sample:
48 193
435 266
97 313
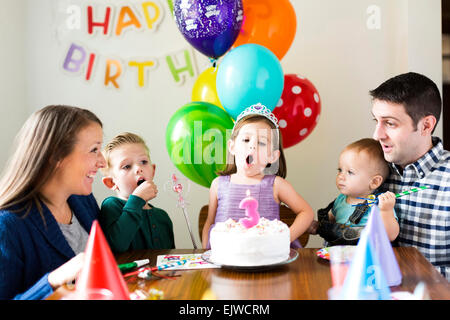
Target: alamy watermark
210 146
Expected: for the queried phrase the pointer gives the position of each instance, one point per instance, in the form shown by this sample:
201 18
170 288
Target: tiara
258 109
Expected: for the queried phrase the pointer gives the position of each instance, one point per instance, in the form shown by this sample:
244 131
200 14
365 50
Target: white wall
12 73
333 48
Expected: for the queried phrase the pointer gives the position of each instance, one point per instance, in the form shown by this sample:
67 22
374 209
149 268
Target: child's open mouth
249 159
140 181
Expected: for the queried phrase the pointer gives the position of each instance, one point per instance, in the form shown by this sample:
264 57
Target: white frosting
266 243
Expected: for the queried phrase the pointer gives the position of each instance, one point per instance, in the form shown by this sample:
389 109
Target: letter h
103 24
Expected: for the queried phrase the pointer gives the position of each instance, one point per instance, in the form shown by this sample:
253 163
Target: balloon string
214 63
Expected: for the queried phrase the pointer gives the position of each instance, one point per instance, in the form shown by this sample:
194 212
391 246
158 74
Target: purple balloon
210 26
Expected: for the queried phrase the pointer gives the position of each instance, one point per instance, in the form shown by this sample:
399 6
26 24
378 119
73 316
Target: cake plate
293 255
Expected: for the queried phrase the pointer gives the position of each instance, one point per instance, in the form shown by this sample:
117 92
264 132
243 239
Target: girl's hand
66 272
386 201
147 190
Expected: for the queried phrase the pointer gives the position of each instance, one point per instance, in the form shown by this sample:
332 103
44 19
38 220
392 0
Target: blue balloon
247 75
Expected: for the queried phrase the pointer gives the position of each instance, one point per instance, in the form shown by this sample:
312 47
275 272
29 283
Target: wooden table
307 278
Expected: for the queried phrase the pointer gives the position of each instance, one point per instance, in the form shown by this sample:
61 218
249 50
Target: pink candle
251 211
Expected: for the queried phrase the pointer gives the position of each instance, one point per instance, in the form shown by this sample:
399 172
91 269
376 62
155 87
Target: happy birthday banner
81 60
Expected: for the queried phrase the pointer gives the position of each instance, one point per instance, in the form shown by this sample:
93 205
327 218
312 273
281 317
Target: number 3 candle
251 211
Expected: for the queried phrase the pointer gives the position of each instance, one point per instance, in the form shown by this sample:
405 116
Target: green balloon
170 4
196 140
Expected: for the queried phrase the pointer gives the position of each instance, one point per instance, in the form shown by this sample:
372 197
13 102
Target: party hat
379 240
100 269
365 279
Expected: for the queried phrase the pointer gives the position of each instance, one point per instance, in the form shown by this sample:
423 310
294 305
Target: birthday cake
267 242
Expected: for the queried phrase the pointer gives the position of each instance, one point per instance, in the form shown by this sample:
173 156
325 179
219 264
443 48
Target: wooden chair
286 215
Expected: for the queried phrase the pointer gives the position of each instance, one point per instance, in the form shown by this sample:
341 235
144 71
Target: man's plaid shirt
424 216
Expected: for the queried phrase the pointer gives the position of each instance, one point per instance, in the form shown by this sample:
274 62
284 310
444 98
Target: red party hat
100 269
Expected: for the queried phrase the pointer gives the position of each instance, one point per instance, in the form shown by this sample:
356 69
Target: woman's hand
66 272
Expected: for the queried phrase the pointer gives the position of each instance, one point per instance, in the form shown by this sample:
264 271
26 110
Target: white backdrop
338 46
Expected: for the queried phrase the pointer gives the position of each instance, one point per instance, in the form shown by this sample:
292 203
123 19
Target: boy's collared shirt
424 216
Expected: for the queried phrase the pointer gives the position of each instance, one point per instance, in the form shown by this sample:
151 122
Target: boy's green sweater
127 226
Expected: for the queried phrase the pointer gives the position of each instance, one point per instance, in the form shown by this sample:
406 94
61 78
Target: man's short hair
418 94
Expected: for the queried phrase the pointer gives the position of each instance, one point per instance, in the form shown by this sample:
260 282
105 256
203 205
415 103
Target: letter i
90 65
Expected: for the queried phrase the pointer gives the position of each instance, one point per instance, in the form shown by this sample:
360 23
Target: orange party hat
100 269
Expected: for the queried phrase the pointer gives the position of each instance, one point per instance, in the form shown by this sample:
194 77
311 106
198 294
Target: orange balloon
270 23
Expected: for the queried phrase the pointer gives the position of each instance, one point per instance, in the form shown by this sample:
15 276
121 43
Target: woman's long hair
277 144
48 136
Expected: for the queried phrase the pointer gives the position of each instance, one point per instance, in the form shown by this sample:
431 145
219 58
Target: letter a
374 20
74 20
121 23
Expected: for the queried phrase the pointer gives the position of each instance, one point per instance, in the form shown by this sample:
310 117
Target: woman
46 205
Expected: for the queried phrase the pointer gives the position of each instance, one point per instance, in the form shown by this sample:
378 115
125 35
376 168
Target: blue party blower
374 267
379 240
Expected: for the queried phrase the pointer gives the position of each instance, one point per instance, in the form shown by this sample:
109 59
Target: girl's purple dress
229 195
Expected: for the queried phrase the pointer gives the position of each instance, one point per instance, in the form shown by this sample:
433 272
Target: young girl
255 163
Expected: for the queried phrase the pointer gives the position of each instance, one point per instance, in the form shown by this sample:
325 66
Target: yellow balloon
205 87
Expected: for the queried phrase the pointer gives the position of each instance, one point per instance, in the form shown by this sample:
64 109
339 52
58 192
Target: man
406 109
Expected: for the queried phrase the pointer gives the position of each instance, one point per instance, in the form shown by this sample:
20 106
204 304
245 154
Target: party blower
373 199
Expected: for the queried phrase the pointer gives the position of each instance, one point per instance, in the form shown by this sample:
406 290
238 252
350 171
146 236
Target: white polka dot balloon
298 109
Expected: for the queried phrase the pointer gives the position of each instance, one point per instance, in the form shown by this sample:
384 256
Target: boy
361 171
128 220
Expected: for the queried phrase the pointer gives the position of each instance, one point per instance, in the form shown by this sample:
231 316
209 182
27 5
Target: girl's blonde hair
252 118
117 141
48 136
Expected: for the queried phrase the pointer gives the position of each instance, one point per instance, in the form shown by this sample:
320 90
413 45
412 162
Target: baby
128 220
361 171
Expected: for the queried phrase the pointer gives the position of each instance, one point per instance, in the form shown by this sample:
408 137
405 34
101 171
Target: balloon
270 23
170 4
247 75
210 26
196 138
298 109
205 87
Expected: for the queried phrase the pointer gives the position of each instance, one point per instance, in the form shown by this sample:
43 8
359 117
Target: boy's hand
386 201
147 190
